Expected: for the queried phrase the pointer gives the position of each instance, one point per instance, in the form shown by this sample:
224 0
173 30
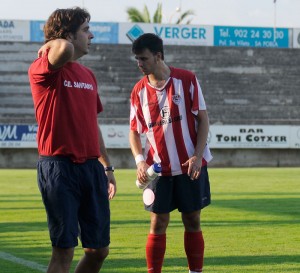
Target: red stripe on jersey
177 129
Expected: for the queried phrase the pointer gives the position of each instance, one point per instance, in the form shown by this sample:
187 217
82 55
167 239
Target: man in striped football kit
167 105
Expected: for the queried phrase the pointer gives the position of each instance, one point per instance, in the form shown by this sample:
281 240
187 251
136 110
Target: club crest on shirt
176 99
165 112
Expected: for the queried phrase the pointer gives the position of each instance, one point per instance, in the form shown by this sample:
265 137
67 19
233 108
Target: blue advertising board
251 37
18 136
125 33
36 31
104 33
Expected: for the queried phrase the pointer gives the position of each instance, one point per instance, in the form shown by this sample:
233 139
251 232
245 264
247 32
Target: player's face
146 61
82 39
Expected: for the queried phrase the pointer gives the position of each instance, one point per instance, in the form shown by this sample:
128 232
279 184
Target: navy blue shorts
167 193
76 201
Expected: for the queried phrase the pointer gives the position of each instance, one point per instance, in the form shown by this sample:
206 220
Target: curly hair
62 22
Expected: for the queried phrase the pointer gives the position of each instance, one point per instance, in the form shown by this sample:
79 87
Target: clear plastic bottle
152 172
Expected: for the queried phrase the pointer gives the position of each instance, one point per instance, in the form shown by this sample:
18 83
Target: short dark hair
62 22
149 41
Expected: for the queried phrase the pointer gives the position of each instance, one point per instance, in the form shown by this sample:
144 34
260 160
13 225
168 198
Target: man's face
147 61
82 39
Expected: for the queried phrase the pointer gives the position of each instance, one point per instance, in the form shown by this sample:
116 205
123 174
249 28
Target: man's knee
159 223
62 256
97 254
191 221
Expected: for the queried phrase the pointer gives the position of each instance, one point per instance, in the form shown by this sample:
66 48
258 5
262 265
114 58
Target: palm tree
136 16
184 16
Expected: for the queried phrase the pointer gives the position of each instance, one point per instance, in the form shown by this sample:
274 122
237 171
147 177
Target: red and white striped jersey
167 117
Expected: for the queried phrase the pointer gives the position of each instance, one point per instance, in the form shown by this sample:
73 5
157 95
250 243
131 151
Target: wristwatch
109 169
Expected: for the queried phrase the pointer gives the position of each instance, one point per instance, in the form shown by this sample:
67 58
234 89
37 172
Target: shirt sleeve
197 96
137 122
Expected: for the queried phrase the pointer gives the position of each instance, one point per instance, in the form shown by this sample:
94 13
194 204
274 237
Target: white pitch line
29 264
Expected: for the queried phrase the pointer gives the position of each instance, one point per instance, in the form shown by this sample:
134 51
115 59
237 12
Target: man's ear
159 56
70 37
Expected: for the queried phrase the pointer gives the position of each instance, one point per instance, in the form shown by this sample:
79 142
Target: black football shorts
76 201
167 193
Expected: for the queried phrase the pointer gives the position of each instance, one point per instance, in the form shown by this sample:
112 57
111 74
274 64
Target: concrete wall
251 86
122 158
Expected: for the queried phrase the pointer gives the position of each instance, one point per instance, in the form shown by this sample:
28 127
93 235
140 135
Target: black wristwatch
109 169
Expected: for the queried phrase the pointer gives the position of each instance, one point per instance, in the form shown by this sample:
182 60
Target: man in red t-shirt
75 176
167 105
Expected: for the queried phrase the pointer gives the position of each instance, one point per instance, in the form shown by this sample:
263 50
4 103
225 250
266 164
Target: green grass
252 224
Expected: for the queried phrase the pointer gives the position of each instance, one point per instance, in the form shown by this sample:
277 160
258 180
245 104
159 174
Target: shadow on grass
41 255
115 264
253 260
42 226
23 227
275 206
269 193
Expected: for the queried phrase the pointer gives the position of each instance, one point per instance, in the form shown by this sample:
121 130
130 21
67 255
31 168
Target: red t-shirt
66 103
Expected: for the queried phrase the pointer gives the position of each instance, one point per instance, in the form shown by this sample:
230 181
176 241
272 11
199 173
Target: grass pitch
252 224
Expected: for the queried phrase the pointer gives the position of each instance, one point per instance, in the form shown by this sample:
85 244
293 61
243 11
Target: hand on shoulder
60 52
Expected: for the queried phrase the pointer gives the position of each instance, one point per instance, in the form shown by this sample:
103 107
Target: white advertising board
15 30
251 136
171 34
296 38
220 136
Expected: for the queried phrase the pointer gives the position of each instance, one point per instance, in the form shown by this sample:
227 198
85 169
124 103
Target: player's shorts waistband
63 158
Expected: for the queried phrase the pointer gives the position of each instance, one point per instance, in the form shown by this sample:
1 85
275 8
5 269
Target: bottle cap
157 167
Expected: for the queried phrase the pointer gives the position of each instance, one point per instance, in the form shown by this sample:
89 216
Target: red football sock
194 249
155 252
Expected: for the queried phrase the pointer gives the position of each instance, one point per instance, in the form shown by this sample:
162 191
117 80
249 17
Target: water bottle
152 172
